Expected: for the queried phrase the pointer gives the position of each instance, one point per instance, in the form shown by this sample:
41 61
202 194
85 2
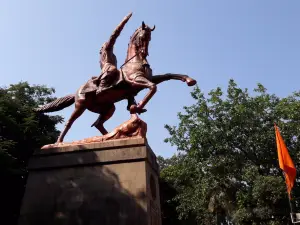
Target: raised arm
112 40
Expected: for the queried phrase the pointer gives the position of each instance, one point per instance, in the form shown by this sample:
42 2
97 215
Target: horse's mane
132 39
134 34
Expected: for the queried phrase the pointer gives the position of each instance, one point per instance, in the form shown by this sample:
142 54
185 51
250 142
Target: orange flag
285 161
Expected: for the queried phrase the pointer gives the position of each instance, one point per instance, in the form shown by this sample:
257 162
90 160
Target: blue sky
57 43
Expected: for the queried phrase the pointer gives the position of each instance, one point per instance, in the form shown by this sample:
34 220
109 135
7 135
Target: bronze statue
100 93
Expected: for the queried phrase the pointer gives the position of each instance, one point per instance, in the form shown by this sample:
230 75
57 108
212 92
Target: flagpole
285 160
289 195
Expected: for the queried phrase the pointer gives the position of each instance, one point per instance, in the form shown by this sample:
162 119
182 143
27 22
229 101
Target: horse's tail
57 104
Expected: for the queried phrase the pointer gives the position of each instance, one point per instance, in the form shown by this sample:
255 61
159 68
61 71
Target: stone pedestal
109 183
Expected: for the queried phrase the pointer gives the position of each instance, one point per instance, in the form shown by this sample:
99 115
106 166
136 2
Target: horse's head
140 39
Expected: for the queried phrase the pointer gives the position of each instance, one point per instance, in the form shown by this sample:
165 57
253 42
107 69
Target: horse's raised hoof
190 81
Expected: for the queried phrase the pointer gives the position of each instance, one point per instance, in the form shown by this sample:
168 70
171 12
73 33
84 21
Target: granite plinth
108 183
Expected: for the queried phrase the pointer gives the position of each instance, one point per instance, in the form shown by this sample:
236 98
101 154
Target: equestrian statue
100 94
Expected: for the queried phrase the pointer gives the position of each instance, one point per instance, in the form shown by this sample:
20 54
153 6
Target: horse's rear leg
104 116
79 109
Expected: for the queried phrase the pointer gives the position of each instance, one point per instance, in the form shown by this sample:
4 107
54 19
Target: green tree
169 170
22 131
226 171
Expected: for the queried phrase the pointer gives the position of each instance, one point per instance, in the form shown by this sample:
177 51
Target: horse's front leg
171 76
141 82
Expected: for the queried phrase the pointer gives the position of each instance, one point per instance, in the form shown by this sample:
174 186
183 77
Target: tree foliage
22 131
226 170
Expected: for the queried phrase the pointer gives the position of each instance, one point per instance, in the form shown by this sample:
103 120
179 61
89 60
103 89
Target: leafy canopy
227 167
22 131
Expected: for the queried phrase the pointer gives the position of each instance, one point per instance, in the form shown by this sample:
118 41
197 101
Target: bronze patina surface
100 93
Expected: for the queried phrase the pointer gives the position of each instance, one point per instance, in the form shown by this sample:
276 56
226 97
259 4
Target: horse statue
134 76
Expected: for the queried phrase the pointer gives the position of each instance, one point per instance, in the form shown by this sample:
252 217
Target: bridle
127 61
120 67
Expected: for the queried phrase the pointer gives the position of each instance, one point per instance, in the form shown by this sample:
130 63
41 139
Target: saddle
106 81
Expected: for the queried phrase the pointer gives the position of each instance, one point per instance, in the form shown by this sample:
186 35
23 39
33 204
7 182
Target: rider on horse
108 64
110 74
108 60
